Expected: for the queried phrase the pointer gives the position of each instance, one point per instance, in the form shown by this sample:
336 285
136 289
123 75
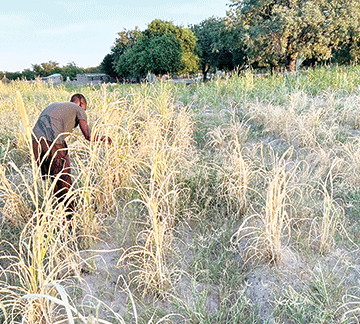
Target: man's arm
86 132
85 129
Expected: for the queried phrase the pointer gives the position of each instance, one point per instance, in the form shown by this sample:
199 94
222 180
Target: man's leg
61 166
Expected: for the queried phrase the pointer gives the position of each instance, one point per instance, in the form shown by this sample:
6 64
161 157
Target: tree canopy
279 31
215 45
162 48
46 68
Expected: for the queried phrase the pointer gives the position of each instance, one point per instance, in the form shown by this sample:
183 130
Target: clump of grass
318 298
16 208
163 151
264 238
43 256
351 171
235 170
331 219
237 181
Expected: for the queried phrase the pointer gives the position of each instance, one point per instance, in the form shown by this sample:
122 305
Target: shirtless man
56 122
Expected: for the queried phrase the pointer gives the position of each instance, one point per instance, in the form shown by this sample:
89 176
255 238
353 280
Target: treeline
272 34
262 34
45 69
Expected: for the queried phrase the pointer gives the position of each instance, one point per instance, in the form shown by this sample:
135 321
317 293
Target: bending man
56 122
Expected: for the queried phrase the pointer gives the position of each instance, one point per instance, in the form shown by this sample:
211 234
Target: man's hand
86 132
106 139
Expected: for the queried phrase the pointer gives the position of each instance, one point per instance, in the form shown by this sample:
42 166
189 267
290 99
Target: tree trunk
205 71
272 68
291 62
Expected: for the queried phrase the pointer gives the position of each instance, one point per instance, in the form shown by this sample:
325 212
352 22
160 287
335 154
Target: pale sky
33 32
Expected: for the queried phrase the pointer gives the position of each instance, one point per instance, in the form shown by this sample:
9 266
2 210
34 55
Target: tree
70 71
46 69
124 42
13 75
107 65
279 31
162 54
159 54
215 45
208 37
28 74
348 49
161 48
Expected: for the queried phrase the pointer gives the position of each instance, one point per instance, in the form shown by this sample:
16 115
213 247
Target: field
233 201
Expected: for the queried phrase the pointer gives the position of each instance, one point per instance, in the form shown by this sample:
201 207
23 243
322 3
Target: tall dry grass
230 143
45 253
263 235
235 170
164 150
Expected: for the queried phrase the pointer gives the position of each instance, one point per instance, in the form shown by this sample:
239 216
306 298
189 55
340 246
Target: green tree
348 49
162 54
279 31
46 69
13 75
216 47
161 48
28 74
189 61
125 41
70 71
159 54
107 65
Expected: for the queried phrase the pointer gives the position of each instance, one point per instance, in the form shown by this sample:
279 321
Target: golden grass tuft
163 151
263 234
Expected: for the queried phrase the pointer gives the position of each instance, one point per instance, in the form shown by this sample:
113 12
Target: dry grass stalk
43 257
236 177
264 239
15 209
332 215
276 216
351 173
164 148
157 194
234 169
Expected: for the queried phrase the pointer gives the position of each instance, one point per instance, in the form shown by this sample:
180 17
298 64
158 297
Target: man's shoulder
63 105
63 108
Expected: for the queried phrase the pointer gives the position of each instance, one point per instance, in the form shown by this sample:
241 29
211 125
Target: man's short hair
78 97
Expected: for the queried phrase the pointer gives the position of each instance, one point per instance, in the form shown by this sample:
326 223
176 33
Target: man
56 122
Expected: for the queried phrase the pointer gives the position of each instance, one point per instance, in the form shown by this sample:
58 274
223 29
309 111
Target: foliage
159 54
107 66
282 31
210 46
70 71
126 39
28 74
161 48
47 68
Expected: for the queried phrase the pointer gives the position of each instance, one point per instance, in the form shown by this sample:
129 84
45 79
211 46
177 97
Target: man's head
79 100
